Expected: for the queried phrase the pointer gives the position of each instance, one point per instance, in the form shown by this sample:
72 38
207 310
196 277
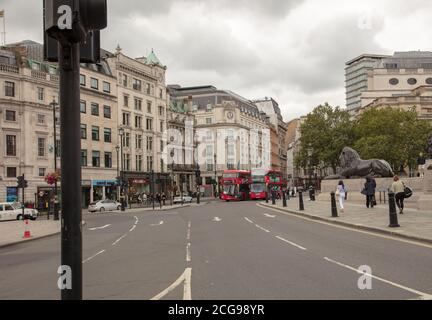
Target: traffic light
20 181
199 181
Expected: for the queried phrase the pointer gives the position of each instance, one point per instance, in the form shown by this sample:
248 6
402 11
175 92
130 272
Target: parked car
13 211
104 205
185 199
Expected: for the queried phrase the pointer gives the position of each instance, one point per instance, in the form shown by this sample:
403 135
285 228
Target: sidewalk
415 225
12 232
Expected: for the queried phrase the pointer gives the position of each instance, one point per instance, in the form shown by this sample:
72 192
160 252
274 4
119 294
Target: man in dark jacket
369 191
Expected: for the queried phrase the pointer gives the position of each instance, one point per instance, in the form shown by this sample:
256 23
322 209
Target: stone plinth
425 200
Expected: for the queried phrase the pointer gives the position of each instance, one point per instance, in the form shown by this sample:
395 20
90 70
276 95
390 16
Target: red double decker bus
265 179
235 185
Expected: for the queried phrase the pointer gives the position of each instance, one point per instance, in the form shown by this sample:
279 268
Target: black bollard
267 195
392 210
333 205
284 199
313 194
301 203
198 198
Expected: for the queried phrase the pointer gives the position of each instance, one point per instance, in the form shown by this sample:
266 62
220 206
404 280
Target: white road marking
133 228
187 292
269 215
422 295
136 220
217 219
119 239
188 253
263 229
94 256
157 224
413 242
291 243
188 235
100 228
249 220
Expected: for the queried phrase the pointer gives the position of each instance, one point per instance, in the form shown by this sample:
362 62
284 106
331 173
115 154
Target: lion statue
352 166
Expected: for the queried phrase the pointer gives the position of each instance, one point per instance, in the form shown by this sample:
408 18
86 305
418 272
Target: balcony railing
9 68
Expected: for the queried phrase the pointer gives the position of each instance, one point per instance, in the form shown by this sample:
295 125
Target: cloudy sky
292 50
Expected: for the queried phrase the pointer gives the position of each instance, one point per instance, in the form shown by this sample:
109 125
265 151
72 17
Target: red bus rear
235 185
263 179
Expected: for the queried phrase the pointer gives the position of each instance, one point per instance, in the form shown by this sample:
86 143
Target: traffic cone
27 234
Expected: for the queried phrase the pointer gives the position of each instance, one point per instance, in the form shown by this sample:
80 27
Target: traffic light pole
23 198
71 233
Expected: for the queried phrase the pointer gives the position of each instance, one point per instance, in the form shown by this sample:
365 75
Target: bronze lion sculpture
352 166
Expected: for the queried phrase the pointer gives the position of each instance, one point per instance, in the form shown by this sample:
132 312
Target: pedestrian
159 199
369 192
164 197
341 192
398 188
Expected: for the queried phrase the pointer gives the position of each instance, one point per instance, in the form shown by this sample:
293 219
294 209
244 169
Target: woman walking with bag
341 191
398 188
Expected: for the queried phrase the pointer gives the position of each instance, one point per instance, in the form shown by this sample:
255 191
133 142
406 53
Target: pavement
222 251
12 232
414 224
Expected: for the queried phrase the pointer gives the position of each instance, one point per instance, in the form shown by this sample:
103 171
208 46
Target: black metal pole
284 199
394 223
301 203
123 195
267 194
333 205
153 189
23 198
70 118
56 209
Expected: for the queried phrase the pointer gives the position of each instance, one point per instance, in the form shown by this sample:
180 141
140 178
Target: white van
13 211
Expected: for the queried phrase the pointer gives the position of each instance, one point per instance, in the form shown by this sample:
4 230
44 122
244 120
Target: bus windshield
230 190
258 187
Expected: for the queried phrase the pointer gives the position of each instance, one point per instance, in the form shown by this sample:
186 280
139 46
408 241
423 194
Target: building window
106 87
148 88
138 141
126 119
40 94
149 143
161 126
11 172
95 133
58 149
412 81
149 163
42 172
10 115
394 81
82 80
107 135
126 101
11 146
96 159
209 120
9 89
161 93
83 131
161 110
95 109
161 146
127 162
108 160
125 80
138 164
136 84
138 122
107 112
127 140
149 107
83 106
41 147
149 125
94 83
429 81
138 104
41 119
83 158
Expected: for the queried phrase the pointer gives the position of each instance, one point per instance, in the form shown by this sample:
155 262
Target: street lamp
172 177
216 178
54 105
117 148
121 133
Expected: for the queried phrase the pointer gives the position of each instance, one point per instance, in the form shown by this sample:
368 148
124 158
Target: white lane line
418 293
269 215
188 235
291 243
217 219
136 220
249 220
133 228
263 229
100 228
119 239
188 253
157 224
186 279
94 256
189 224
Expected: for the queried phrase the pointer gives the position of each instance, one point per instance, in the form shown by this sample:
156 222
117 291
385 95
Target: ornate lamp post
121 133
216 177
54 105
117 148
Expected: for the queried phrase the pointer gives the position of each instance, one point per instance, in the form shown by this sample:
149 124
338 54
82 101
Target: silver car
104 205
186 199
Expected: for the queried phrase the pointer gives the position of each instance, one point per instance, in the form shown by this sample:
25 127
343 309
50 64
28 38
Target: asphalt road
221 251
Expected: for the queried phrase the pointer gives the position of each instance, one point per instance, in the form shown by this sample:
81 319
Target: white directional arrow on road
269 215
217 219
158 224
100 228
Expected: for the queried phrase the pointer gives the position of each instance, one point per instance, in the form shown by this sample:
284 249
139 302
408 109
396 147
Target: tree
395 135
324 133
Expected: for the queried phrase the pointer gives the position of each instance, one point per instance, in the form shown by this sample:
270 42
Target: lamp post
310 153
54 104
117 148
121 133
216 178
